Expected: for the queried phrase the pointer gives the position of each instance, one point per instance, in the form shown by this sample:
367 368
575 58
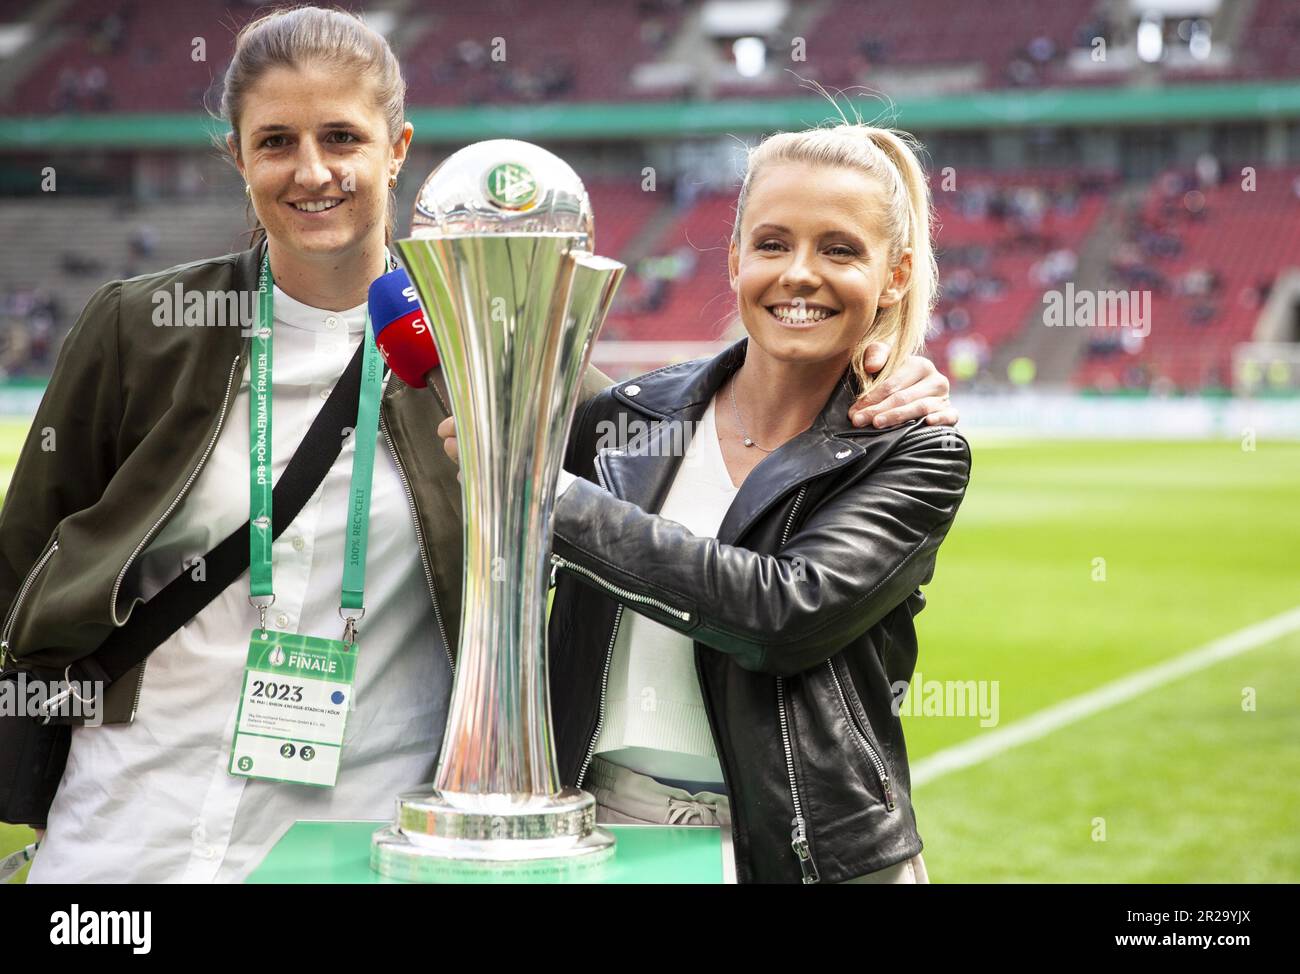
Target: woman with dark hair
152 468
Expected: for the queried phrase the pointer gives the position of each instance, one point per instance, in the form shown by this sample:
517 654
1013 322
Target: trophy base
441 837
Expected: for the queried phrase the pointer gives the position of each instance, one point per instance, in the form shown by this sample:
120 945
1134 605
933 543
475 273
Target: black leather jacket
801 610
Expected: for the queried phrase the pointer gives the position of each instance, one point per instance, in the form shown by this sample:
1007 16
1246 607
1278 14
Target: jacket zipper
117 585
604 685
877 763
800 841
221 419
789 522
419 540
559 562
12 618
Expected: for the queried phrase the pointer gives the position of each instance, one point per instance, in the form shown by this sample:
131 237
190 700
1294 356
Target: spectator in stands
1136 376
990 287
657 292
97 97
968 355
1057 267
15 349
975 201
472 54
1065 199
144 240
29 317
1201 313
108 36
79 265
1085 36
66 96
556 77
1197 282
874 50
654 33
1041 49
1208 171
1020 72
959 284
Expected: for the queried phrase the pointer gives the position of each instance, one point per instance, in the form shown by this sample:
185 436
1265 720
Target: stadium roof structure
979 110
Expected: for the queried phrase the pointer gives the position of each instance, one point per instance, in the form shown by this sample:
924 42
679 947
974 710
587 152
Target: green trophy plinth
339 852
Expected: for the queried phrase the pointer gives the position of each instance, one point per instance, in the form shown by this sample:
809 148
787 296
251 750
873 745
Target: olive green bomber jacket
130 415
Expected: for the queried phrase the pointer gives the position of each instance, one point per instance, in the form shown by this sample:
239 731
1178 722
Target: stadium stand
1209 252
471 54
855 37
1007 232
131 57
109 55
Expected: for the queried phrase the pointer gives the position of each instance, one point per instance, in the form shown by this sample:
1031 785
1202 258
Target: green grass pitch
1071 565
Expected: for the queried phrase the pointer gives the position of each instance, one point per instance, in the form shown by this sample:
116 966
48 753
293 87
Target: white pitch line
1042 723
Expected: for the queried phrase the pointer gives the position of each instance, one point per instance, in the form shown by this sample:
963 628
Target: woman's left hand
916 389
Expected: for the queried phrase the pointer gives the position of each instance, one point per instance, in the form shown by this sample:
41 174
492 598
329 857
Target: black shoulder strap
152 623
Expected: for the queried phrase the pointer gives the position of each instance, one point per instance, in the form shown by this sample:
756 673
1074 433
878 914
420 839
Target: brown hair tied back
291 37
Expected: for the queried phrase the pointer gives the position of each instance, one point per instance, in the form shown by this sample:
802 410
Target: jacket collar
248 264
643 470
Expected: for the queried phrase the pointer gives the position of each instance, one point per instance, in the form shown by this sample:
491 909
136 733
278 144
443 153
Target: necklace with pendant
746 439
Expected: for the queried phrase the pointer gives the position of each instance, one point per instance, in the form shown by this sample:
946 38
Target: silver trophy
500 255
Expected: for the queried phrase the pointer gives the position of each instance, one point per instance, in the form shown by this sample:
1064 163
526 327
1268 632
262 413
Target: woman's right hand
447 430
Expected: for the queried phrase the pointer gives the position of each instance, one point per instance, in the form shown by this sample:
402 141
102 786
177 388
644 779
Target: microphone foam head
401 331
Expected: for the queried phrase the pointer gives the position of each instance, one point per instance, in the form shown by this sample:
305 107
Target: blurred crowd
28 320
86 88
1154 235
1017 217
470 68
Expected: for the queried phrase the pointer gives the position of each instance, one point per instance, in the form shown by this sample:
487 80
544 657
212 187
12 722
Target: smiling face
314 150
811 265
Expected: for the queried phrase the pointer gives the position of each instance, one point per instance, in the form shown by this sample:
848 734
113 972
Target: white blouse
153 800
655 721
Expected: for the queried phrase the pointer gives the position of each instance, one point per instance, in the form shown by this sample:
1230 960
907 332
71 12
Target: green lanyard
260 469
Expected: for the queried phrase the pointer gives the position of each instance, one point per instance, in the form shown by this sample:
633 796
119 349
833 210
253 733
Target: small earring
248 190
392 180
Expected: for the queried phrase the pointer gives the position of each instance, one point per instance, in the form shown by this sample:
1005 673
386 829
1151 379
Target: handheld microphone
404 338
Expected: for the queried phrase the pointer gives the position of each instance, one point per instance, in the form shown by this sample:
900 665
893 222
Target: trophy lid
503 186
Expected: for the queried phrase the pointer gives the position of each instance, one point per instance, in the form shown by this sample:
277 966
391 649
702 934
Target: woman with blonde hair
168 442
771 571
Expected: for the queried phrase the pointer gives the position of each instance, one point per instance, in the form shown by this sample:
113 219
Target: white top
655 721
153 801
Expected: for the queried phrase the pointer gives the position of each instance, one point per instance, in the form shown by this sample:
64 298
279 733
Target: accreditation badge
294 708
